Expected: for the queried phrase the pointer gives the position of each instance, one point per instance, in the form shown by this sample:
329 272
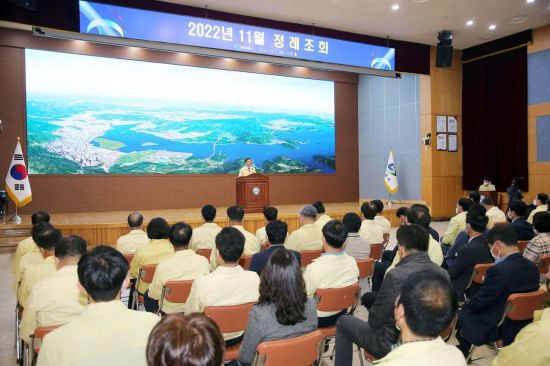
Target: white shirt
495 215
246 171
425 353
204 237
371 231
384 223
251 246
261 235
130 242
308 237
322 220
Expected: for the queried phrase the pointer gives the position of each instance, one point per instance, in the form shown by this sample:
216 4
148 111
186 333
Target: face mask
456 210
535 202
495 256
485 183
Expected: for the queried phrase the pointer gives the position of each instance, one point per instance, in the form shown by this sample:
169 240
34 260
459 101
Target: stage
106 227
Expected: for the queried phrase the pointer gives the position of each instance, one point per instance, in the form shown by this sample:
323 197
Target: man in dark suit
276 231
474 252
516 213
512 273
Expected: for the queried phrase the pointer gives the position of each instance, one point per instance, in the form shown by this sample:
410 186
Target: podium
253 192
492 194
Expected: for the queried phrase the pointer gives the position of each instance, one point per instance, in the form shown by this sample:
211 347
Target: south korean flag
17 179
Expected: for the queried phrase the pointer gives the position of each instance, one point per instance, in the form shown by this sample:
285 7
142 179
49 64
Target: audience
475 197
57 298
228 284
539 246
379 218
309 236
184 264
425 307
276 231
493 212
378 334
46 237
270 214
401 214
433 233
487 186
135 238
283 309
478 319
190 340
321 218
370 230
356 246
458 222
516 212
204 237
541 201
105 333
333 269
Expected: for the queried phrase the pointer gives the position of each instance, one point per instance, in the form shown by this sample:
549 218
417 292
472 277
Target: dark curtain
494 120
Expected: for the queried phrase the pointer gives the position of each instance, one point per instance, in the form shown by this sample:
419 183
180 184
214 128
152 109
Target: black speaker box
444 56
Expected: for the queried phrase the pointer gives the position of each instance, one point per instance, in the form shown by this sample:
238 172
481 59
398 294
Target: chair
386 240
175 292
307 256
447 332
376 251
500 223
18 341
244 261
146 274
233 318
478 275
205 253
36 341
522 244
283 351
366 267
544 263
128 257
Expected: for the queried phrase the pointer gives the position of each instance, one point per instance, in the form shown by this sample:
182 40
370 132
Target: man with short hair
276 231
309 236
270 214
493 212
322 217
57 298
433 233
333 269
356 246
105 333
487 186
401 214
46 237
378 334
204 237
458 222
541 201
379 218
229 283
370 230
425 307
136 238
516 212
184 264
539 246
474 196
512 273
248 168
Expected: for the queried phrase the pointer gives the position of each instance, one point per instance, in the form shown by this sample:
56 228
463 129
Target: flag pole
16 218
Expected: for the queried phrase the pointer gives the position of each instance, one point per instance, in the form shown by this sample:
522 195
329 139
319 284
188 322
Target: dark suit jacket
259 260
475 252
524 230
479 317
433 233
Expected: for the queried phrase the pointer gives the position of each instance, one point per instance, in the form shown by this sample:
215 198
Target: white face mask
485 183
535 202
457 211
495 256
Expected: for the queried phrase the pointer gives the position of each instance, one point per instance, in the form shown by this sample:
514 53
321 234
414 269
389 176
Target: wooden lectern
253 192
492 194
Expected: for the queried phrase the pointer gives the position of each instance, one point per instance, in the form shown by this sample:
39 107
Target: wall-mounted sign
118 21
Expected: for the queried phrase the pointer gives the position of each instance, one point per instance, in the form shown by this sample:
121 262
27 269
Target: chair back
336 299
386 239
376 251
205 253
522 306
544 263
366 267
283 351
245 262
307 256
232 318
500 223
128 257
522 244
39 334
479 272
447 332
177 291
147 272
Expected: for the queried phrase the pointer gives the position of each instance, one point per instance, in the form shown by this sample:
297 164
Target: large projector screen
98 115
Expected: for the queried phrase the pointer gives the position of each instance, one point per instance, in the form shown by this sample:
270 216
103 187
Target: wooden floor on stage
105 227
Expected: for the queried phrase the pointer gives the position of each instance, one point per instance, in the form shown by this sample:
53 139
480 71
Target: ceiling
415 20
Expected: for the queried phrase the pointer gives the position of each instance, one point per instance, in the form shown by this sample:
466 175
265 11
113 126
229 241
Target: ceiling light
518 19
530 1
395 7
492 26
470 22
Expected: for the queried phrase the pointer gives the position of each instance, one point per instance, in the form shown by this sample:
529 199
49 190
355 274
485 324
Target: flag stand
16 218
390 202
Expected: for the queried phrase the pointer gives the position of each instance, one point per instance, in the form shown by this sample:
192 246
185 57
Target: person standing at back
136 238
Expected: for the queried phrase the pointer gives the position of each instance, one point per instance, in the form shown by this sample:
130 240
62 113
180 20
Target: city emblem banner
390 178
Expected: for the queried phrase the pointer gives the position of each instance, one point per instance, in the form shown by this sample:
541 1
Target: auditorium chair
230 319
175 292
366 269
19 345
544 263
36 341
478 274
146 274
205 253
284 351
522 244
376 251
307 256
500 223
128 257
244 262
386 240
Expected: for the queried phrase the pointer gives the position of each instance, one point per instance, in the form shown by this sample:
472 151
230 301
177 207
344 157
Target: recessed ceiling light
530 1
470 22
395 7
492 26
519 19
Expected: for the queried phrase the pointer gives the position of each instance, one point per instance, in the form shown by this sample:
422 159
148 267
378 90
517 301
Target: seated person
25 246
458 222
309 236
158 249
204 237
105 333
475 197
270 214
401 214
433 233
487 186
478 319
184 264
333 269
493 212
228 284
135 238
356 246
541 201
476 251
283 310
516 212
57 298
539 246
370 230
380 219
276 231
424 309
378 334
321 218
185 340
235 216
46 237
